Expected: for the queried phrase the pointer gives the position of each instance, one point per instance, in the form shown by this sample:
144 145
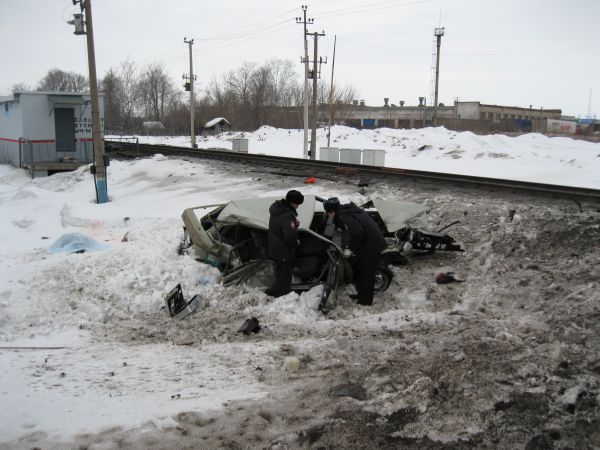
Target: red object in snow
310 180
444 278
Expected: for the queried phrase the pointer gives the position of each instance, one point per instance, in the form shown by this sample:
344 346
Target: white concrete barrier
350 155
239 145
374 157
329 154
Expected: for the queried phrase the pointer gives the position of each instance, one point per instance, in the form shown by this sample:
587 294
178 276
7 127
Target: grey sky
529 52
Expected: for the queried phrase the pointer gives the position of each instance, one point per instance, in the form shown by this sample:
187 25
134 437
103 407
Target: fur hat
295 197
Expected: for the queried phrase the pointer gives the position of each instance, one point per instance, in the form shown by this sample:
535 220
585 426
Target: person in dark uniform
366 243
283 240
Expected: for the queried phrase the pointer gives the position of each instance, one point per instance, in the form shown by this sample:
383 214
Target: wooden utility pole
192 98
315 76
331 94
99 167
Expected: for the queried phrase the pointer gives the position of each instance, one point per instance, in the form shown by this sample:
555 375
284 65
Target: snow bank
529 157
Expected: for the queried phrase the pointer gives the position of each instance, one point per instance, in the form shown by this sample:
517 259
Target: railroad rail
317 167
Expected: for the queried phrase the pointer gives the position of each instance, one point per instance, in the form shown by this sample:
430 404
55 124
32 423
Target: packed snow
88 358
529 157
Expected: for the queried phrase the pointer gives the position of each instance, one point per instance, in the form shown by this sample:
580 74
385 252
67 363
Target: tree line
249 96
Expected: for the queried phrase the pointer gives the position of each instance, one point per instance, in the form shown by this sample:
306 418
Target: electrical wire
529 52
370 8
256 24
379 47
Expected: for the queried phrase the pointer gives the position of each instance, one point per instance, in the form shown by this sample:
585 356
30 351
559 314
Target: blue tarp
76 242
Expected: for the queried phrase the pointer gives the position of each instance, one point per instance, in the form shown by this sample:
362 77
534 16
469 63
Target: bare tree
20 87
261 95
112 87
342 97
128 76
156 91
238 82
284 80
61 81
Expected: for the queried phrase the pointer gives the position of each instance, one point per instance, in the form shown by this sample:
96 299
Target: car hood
397 214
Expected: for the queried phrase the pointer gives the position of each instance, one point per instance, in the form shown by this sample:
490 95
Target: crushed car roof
254 212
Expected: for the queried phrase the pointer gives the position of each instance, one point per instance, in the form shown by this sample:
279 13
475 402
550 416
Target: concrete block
350 155
329 154
374 157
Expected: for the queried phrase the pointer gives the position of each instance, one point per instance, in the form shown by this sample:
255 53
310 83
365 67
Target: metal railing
26 156
32 153
128 140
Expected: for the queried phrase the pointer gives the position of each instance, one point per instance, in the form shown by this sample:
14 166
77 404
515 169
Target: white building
47 132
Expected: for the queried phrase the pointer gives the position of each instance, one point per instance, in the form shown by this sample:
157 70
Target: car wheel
383 278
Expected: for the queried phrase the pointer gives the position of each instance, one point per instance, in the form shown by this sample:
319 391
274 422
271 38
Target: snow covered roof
57 93
216 120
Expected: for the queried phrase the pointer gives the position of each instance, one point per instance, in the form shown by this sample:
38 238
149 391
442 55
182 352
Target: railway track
303 167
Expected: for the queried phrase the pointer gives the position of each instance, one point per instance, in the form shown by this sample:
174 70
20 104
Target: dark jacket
283 231
366 238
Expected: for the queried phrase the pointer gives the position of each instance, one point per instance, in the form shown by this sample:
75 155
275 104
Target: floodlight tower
438 33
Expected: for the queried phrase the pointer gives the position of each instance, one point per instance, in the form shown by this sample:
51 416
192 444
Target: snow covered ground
529 157
511 357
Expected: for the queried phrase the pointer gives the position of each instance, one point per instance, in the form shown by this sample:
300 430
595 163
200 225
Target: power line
370 8
530 52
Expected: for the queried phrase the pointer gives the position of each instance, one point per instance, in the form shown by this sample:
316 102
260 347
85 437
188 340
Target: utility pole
190 83
331 93
315 76
99 167
438 33
305 21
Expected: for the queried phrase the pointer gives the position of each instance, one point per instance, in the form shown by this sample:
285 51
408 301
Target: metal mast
438 33
192 98
305 21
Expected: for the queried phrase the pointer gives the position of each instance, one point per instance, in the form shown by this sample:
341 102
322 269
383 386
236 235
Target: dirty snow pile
75 274
530 157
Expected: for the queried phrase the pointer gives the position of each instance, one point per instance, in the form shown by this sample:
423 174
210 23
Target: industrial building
47 132
471 115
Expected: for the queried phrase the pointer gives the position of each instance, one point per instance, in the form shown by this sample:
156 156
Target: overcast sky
543 53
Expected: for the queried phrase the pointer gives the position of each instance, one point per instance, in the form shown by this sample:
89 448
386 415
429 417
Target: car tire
383 278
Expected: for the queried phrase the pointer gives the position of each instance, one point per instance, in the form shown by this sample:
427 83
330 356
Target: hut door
64 121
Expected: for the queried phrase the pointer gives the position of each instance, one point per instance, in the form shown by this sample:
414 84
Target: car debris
446 278
349 390
233 238
250 326
290 364
176 305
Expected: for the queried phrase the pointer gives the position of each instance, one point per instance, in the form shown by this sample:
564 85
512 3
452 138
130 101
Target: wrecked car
233 238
